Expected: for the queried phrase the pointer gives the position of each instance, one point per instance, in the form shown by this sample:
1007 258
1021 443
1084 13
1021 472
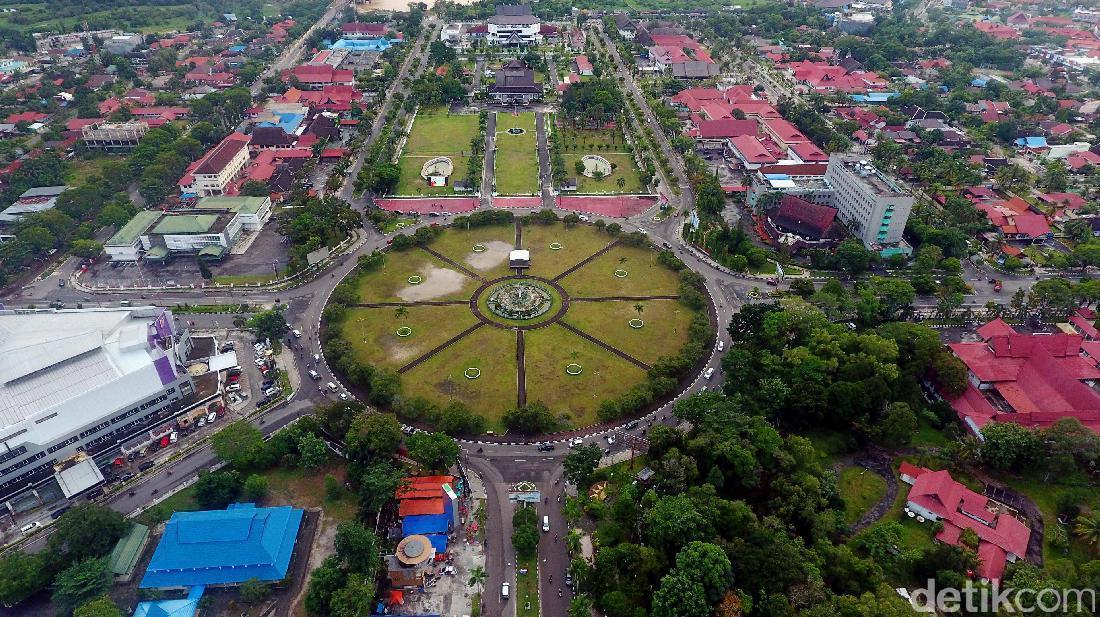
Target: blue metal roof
1032 142
425 524
186 607
224 547
439 542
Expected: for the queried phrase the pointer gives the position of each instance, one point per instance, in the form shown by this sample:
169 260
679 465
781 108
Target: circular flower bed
636 323
519 301
472 373
621 274
555 246
404 331
515 130
416 279
479 248
573 369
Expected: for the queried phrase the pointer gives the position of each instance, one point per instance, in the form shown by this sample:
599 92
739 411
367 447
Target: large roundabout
591 325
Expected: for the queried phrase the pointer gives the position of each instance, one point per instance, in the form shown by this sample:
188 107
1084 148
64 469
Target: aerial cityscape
521 308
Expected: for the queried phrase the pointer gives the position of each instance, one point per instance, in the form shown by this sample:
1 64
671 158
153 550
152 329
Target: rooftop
58 366
244 205
185 224
134 228
867 175
224 547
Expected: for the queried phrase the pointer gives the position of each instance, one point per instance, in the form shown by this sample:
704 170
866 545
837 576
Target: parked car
633 424
576 441
546 447
126 477
201 423
210 417
610 439
56 514
721 346
29 527
272 391
174 437
146 466
707 374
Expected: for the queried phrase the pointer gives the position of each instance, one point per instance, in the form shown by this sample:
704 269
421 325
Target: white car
211 417
201 422
297 333
233 387
721 346
610 439
174 437
272 391
504 589
575 442
707 374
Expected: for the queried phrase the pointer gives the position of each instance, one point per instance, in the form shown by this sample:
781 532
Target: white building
215 170
872 205
83 380
514 25
123 44
209 230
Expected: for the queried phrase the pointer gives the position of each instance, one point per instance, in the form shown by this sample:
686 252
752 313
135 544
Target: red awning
397 597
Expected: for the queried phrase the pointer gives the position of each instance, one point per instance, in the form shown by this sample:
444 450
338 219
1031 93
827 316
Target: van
29 527
314 374
332 386
546 523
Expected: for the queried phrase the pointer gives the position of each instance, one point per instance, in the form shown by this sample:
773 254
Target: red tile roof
960 508
726 127
804 217
752 150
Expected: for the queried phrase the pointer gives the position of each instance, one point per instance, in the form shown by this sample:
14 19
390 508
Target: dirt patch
496 252
438 282
396 351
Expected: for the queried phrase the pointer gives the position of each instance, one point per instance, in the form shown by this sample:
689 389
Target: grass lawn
371 332
830 445
458 244
411 183
860 489
516 160
582 141
623 165
914 535
1045 495
438 132
604 375
527 588
183 501
82 169
576 244
390 282
306 489
440 378
665 330
395 223
644 275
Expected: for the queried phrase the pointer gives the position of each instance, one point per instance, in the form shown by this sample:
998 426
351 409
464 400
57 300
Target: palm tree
477 577
401 312
1087 528
639 308
621 182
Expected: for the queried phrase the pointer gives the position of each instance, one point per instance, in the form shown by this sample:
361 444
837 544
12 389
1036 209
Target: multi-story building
515 84
114 136
83 381
209 230
215 170
514 25
872 205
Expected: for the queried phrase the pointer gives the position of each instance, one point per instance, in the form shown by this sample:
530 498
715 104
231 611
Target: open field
664 333
435 132
498 240
860 489
390 282
644 275
517 162
588 140
126 16
411 182
576 244
372 331
604 375
624 168
440 379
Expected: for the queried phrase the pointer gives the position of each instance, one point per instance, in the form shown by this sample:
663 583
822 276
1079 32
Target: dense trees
592 103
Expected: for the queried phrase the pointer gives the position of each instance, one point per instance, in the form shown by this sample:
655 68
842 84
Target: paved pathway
615 350
453 263
451 341
545 181
585 261
488 174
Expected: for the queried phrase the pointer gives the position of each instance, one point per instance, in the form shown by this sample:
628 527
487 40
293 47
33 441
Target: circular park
562 333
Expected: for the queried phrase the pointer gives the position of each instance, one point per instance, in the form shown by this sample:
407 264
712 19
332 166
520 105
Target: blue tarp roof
874 97
224 547
777 177
379 44
425 524
1032 142
439 542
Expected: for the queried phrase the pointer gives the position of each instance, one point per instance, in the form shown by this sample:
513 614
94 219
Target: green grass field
372 332
517 161
576 244
587 140
664 332
604 376
441 378
860 489
390 282
644 275
435 132
624 168
411 183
